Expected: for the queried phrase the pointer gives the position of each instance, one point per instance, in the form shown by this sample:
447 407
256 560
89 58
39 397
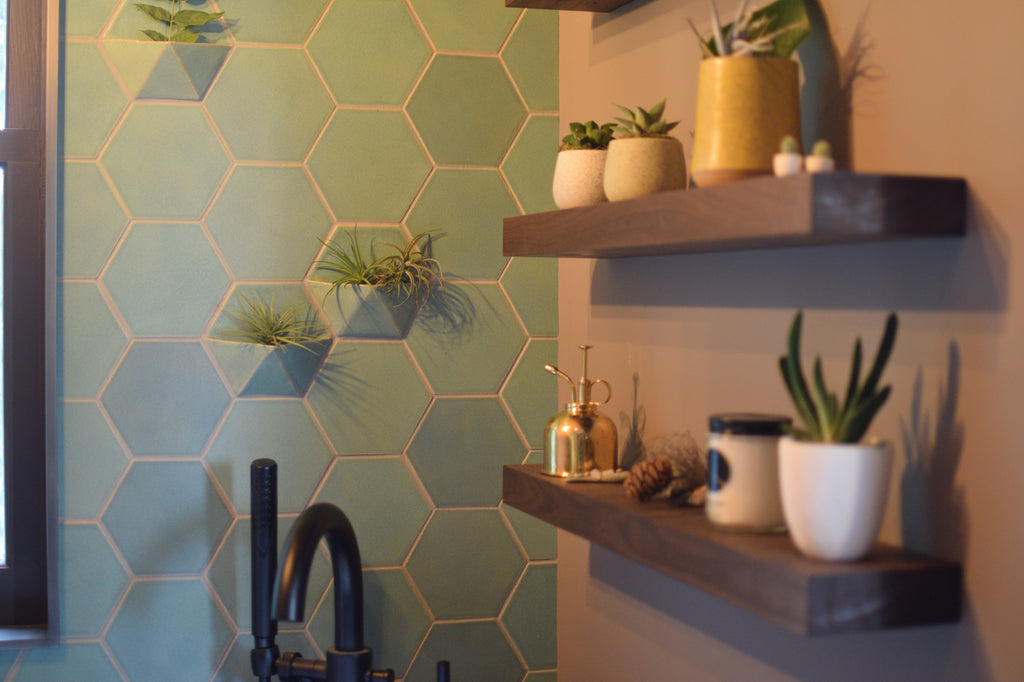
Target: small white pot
641 166
833 495
579 177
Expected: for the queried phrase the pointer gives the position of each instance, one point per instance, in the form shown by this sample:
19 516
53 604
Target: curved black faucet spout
323 520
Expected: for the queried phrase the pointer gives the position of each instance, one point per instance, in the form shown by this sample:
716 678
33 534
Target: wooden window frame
28 582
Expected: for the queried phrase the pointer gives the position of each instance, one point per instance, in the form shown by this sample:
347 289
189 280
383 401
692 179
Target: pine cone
647 477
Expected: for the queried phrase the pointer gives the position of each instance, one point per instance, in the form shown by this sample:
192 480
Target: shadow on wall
932 507
952 274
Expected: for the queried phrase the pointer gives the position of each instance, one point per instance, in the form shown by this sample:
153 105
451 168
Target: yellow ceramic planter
745 106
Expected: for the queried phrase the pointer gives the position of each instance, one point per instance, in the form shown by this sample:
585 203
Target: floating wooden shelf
581 5
765 212
761 572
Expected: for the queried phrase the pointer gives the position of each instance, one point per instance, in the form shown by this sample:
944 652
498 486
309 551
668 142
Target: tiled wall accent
191 175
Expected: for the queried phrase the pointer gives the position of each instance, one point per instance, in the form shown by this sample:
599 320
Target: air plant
774 30
182 25
644 122
824 418
407 272
588 135
258 322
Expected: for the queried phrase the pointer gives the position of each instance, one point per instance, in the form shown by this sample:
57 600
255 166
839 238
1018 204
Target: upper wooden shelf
764 212
580 5
761 572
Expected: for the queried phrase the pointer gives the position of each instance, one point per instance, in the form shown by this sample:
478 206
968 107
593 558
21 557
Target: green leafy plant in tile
258 322
774 30
644 122
408 272
588 135
182 24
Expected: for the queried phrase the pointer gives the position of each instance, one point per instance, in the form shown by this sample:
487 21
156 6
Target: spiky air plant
824 417
258 322
407 272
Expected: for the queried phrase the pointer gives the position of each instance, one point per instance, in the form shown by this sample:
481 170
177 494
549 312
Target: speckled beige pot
579 178
640 166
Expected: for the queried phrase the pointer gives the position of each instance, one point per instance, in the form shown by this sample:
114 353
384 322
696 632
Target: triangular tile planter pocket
177 71
365 312
254 370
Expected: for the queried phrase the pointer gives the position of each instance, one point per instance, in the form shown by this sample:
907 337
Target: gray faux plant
824 418
774 30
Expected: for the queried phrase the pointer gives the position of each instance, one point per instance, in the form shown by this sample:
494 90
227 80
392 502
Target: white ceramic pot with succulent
834 483
579 166
748 92
644 159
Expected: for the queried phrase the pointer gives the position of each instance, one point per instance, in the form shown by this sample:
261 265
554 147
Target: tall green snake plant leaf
824 417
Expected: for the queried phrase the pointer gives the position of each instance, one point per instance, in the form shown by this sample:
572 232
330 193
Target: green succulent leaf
823 417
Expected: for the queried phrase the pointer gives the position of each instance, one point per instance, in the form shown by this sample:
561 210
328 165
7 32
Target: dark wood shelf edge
576 5
764 212
763 573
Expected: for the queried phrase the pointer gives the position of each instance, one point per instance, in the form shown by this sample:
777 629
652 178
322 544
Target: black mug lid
748 423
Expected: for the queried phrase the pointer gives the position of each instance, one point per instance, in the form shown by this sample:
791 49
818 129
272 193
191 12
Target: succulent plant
776 29
588 135
824 418
644 123
822 148
789 145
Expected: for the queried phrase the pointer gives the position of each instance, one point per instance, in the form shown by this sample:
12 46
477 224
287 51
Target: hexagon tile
194 174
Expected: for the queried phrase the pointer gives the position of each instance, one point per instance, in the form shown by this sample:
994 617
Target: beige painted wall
942 93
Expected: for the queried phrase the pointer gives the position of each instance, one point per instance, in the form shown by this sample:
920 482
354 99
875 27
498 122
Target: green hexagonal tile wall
264 21
267 221
369 165
466 563
368 398
185 280
325 117
91 217
466 207
158 176
92 340
381 36
455 86
466 338
93 460
463 440
268 104
530 616
167 518
469 27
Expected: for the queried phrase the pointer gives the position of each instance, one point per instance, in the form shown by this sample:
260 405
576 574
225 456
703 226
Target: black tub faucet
349 660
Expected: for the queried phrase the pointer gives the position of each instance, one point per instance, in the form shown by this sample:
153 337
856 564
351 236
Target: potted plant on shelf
269 350
748 91
833 484
579 166
367 295
644 158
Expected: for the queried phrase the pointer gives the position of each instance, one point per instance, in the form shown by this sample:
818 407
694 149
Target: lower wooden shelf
760 572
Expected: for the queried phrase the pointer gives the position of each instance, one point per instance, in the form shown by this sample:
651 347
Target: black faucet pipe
323 520
263 544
